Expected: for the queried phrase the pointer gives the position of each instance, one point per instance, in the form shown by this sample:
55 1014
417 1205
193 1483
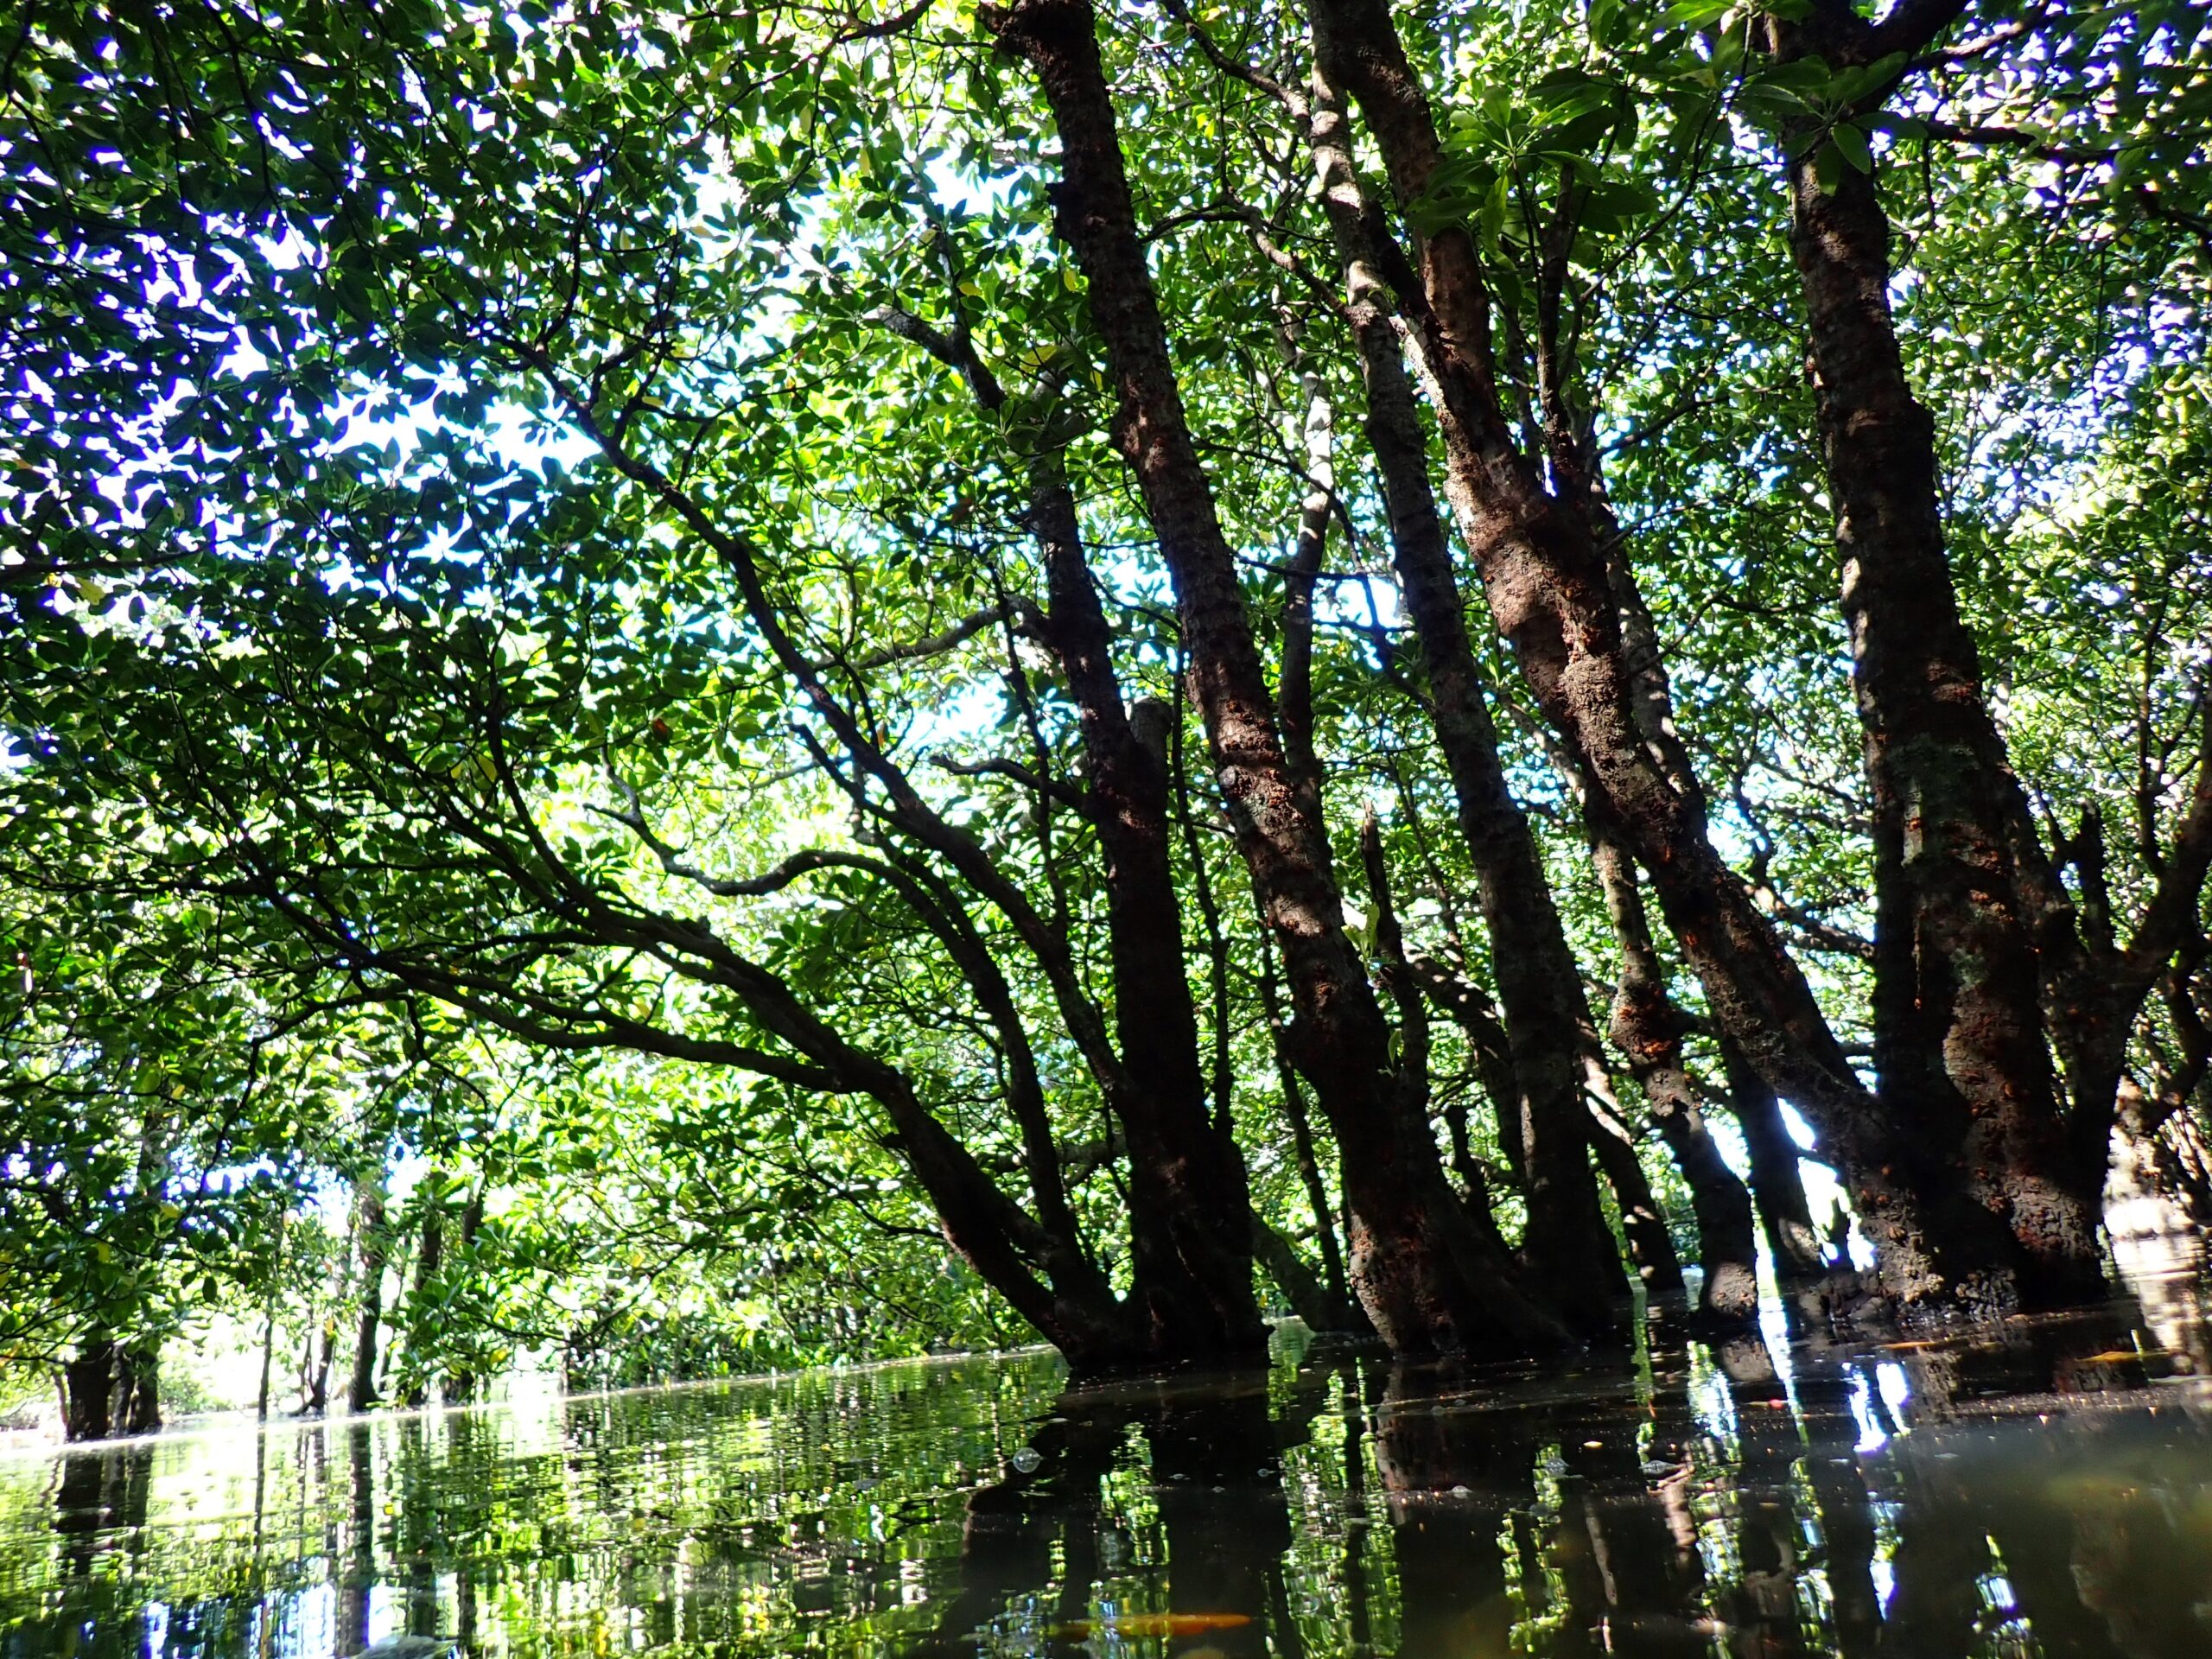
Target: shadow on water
2044 1491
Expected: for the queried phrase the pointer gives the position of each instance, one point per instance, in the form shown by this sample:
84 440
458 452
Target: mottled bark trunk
1568 1246
1546 577
1426 1278
1647 1028
1958 1041
361 1387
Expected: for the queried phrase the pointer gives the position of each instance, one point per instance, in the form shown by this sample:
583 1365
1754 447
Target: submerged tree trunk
1426 1279
1568 1246
361 1389
1647 1027
88 1388
1958 1016
1552 597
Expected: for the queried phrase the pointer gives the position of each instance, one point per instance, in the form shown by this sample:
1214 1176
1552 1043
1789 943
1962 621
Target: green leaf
1829 165
1850 141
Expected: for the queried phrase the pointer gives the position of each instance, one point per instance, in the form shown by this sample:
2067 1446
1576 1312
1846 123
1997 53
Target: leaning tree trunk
1566 1245
1427 1279
1551 595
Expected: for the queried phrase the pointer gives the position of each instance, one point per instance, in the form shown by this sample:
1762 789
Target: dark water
2048 1494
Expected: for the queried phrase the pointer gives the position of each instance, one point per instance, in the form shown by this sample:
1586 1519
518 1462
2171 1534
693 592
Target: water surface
2048 1493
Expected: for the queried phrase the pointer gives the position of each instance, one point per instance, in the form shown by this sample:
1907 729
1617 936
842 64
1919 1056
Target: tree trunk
1426 1279
88 1389
315 1390
1551 596
1647 1028
1650 1244
1192 1259
1958 1018
1344 1310
1568 1246
1776 1183
361 1389
428 1261
136 1404
463 1385
1301 1287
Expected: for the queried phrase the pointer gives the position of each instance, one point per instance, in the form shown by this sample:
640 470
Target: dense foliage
711 687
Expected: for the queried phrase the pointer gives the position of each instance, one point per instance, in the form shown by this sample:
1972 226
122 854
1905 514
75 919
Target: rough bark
1426 1279
1959 1043
1568 1245
1546 577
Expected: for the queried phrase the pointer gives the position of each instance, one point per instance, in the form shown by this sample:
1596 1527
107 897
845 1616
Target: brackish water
2046 1493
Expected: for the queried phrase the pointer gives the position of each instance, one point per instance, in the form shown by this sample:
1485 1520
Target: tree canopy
711 686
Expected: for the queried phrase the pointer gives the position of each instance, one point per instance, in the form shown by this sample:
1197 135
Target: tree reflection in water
2050 1493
